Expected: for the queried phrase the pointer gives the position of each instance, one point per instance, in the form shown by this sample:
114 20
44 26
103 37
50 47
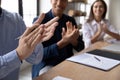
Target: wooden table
77 71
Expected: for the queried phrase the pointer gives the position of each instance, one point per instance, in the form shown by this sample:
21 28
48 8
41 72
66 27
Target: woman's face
98 9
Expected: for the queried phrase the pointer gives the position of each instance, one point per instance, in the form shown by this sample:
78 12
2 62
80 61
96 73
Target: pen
18 38
97 58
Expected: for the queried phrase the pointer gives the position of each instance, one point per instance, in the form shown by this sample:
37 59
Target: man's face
58 6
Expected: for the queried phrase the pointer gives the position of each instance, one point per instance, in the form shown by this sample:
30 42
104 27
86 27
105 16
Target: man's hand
68 35
35 34
49 29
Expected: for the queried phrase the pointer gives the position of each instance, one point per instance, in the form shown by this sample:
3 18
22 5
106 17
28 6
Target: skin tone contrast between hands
34 35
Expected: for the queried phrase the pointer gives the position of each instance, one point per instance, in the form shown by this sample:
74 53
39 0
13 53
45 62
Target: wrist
74 43
62 43
19 55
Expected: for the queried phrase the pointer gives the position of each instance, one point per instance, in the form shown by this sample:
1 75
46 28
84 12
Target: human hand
49 29
34 35
97 34
105 27
99 31
68 35
75 35
71 33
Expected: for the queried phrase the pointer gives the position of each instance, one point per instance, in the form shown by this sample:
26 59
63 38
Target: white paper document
96 61
60 78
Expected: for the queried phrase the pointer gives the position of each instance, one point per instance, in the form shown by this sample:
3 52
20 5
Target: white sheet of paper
90 60
60 78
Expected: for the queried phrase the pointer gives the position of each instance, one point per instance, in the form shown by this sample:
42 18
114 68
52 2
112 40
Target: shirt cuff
12 59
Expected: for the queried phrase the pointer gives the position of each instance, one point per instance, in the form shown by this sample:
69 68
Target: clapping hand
35 34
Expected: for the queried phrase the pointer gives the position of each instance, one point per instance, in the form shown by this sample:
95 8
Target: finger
29 30
63 31
69 26
33 34
40 18
49 33
35 25
51 21
36 40
54 25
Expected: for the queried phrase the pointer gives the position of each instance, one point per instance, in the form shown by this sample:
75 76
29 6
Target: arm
114 35
49 28
8 63
76 38
97 34
51 51
86 35
37 55
111 32
71 36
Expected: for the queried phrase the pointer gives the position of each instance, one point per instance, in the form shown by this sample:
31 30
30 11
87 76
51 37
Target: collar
95 23
51 13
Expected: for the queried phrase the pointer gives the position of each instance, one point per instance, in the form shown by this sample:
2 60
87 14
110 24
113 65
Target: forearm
74 43
114 35
95 37
51 51
80 44
37 55
62 43
9 63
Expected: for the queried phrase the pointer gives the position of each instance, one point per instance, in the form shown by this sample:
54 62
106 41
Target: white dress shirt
89 30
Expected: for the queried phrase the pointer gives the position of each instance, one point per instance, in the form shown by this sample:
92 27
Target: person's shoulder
11 15
35 18
86 22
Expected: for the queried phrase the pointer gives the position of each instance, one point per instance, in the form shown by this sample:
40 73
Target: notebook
98 59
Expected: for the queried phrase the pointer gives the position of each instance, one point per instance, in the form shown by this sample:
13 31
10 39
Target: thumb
40 18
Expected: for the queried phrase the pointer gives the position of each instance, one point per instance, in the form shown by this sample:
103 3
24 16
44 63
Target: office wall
45 5
114 13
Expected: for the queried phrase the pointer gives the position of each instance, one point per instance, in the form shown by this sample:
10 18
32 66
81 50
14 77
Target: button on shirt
11 27
89 30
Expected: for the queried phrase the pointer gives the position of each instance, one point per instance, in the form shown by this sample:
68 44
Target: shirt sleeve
80 44
86 35
51 51
37 55
9 62
113 29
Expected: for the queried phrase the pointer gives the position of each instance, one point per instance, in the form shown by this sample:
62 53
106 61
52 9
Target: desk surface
77 71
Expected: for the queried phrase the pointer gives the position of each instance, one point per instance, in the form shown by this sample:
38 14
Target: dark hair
91 16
